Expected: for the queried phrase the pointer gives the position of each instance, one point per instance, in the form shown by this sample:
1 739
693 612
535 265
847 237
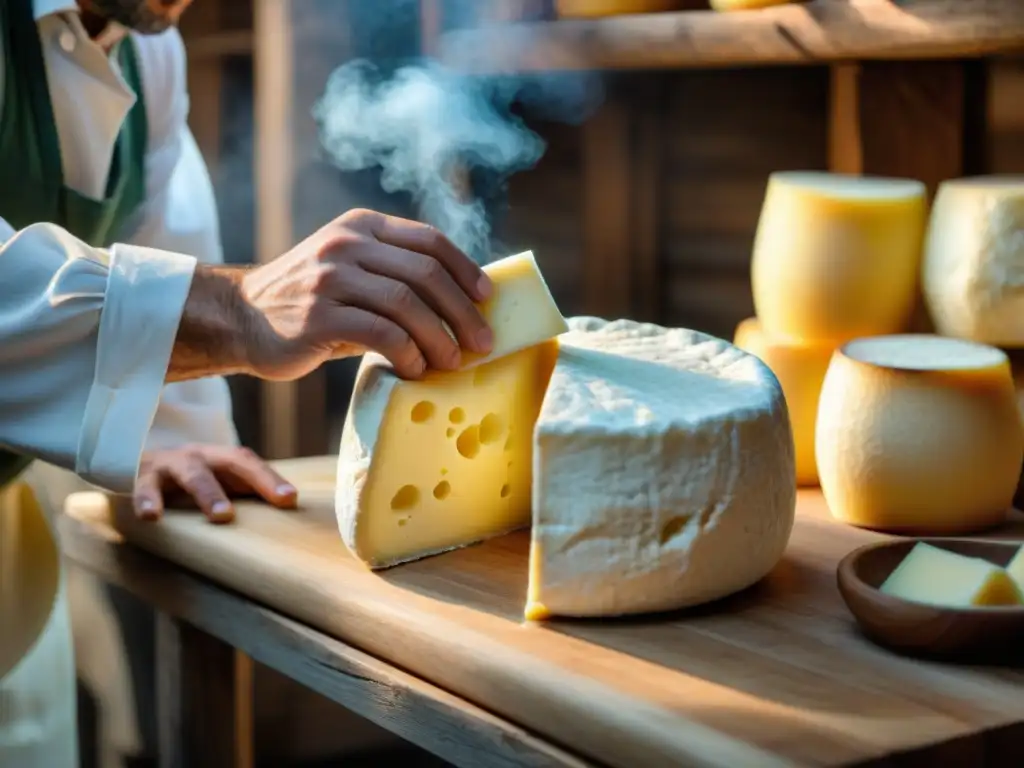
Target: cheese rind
800 369
919 434
972 273
427 466
837 257
663 472
521 311
939 577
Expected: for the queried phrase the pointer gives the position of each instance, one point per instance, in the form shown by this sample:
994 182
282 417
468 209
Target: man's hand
366 281
207 475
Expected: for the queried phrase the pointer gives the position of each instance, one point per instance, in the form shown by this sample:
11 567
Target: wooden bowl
987 634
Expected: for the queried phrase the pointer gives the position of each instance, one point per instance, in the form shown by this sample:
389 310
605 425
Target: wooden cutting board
775 676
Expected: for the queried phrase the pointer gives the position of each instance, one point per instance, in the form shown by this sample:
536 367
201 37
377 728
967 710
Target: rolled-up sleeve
85 340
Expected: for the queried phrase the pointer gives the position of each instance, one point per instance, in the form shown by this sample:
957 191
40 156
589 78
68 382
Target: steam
425 122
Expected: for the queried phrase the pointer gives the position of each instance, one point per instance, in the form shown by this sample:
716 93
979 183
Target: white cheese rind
663 472
973 269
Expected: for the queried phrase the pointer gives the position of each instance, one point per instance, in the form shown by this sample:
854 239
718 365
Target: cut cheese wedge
837 257
973 271
800 369
939 577
919 434
663 472
745 5
426 466
521 311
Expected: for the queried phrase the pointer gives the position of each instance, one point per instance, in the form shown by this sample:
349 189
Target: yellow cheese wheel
972 274
745 5
836 257
800 369
597 8
919 434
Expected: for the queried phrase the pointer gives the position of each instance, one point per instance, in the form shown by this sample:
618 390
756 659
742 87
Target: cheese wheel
663 472
800 369
919 434
973 269
745 5
837 257
598 8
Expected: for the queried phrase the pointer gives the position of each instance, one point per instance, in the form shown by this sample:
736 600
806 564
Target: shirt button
67 40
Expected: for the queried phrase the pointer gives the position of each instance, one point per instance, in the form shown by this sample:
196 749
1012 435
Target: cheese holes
406 498
442 489
491 428
450 432
456 415
673 528
506 489
468 443
422 411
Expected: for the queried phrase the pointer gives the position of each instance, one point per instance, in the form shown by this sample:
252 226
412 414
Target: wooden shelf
809 33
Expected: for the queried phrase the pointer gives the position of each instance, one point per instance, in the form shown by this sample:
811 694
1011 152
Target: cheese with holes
663 472
430 465
940 577
521 312
800 369
919 434
973 270
745 5
837 257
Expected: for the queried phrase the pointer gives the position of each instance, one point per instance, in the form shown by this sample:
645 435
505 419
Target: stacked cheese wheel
973 268
835 258
654 466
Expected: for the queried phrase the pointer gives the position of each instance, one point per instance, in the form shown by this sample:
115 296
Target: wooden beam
801 33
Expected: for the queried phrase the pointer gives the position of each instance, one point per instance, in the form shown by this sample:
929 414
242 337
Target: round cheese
745 5
837 257
663 472
800 369
973 269
597 8
919 434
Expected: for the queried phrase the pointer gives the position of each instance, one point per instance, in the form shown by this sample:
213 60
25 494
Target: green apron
30 153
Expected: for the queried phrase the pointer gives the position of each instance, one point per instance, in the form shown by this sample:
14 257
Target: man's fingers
250 472
422 238
436 287
352 325
196 479
400 303
148 497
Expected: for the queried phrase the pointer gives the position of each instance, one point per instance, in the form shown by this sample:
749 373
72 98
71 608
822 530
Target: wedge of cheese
426 466
837 257
919 434
973 270
663 472
800 369
939 577
521 312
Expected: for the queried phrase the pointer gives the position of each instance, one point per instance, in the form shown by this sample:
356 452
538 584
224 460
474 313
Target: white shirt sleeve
85 339
180 215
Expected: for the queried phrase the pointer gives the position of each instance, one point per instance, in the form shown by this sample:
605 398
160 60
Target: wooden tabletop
816 32
777 675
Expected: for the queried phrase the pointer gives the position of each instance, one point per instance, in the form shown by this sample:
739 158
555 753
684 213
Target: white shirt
85 333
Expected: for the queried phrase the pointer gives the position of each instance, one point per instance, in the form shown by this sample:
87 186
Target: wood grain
418 712
809 33
775 676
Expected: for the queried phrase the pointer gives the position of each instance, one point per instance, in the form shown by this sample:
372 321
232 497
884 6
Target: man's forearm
214 325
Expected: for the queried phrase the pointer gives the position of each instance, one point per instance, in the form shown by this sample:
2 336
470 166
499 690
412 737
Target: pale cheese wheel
919 434
837 257
800 369
973 270
745 5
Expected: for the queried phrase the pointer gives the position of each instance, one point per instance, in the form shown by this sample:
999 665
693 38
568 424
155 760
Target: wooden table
775 676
